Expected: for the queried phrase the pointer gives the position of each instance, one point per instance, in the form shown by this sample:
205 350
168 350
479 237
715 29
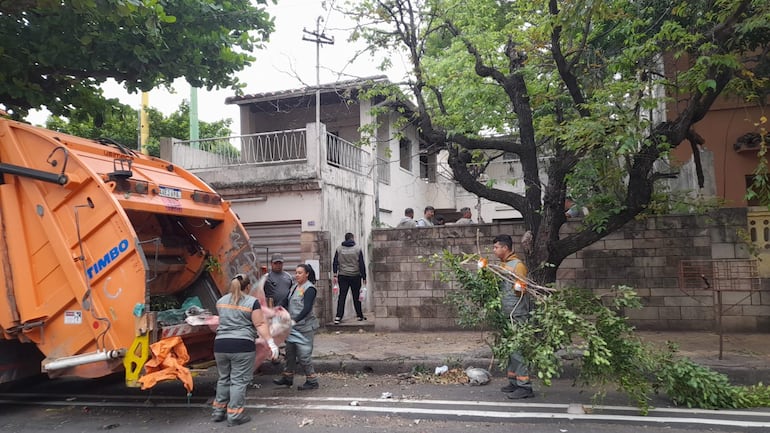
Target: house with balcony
299 179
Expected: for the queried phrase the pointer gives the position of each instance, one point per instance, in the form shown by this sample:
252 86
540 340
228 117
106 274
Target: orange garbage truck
97 242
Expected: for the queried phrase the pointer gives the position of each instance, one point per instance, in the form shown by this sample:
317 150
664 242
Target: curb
390 366
737 375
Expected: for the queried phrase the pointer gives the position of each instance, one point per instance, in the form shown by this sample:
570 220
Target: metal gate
718 276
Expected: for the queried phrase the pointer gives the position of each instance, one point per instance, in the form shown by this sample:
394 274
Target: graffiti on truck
240 258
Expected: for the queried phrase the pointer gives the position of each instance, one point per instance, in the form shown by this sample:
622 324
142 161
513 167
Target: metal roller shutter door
276 237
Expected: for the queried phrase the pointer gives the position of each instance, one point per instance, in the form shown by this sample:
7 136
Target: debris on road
452 376
478 376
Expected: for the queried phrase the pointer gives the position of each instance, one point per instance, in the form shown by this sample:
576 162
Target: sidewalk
746 357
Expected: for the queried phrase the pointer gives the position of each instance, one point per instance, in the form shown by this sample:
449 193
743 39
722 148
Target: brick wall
645 254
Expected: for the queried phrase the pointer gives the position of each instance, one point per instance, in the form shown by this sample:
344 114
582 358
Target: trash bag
477 376
280 327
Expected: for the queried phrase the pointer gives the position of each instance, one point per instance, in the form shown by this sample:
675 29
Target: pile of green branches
594 327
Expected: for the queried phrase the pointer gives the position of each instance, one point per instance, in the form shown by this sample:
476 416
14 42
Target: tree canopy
55 54
121 124
591 96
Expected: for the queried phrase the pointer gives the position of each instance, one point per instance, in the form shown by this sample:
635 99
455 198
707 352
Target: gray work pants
236 371
518 370
301 353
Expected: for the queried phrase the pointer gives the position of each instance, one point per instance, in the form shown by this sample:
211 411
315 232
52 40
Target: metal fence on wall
262 148
344 154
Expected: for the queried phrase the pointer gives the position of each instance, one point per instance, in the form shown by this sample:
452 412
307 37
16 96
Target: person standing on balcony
408 220
349 270
427 217
278 282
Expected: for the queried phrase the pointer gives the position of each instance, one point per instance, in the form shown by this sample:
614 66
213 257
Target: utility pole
144 124
318 38
194 131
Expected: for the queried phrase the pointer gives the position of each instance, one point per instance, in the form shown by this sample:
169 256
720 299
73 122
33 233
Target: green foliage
56 54
478 302
579 92
120 123
212 265
163 303
760 185
577 321
692 385
611 354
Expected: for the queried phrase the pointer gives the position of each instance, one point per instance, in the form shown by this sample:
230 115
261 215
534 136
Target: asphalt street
350 403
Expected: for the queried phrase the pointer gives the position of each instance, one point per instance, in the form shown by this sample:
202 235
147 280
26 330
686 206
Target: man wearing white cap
278 282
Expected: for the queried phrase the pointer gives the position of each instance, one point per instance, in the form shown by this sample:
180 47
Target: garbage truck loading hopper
91 234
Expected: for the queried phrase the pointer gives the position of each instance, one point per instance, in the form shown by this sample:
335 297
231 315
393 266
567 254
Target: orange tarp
168 359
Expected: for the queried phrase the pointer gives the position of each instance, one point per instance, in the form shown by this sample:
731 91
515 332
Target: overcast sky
287 62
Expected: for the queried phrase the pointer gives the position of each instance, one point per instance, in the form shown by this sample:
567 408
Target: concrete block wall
645 254
409 293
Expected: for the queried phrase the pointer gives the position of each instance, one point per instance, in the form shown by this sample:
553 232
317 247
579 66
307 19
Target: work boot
308 385
521 393
218 416
284 380
238 421
509 388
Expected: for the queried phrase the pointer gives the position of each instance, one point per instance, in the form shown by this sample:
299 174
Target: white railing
262 148
344 154
383 170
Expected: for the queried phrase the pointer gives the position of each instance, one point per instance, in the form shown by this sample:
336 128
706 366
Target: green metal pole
194 132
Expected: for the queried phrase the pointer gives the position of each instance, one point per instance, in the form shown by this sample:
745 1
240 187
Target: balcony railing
344 154
262 148
383 171
276 147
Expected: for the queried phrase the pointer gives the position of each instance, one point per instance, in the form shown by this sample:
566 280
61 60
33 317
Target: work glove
273 349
